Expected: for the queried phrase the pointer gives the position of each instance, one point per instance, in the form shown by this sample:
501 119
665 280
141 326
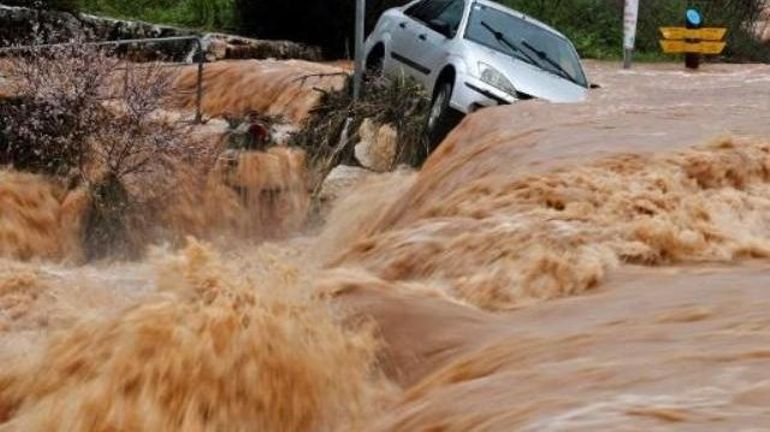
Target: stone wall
17 24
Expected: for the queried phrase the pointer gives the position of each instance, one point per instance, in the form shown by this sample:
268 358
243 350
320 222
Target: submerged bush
330 134
85 116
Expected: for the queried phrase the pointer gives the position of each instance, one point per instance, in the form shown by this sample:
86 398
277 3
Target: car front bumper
471 93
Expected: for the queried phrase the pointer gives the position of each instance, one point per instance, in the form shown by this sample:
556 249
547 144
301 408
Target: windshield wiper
515 50
544 56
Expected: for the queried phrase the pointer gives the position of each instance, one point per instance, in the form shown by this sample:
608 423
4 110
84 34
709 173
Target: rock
282 132
377 149
216 50
237 47
340 180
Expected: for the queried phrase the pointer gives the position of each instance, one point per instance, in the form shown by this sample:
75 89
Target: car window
428 10
452 14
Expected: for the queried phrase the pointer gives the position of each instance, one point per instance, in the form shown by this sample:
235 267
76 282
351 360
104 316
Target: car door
432 48
410 40
401 39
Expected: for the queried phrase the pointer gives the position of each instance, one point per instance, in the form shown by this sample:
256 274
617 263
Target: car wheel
442 117
375 61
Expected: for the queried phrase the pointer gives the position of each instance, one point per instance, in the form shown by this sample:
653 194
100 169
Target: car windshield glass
489 26
449 11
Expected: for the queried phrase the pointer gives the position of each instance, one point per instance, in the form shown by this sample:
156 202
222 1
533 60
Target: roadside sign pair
678 40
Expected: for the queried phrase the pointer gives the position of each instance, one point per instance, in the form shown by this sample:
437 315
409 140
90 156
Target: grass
200 14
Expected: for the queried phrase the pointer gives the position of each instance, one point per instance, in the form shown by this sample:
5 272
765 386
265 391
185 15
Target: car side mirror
441 26
595 86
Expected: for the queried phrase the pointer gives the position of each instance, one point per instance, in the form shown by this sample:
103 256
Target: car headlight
496 79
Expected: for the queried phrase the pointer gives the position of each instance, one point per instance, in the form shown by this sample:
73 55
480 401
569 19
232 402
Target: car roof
500 7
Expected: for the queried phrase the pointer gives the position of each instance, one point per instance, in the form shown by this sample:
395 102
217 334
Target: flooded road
551 267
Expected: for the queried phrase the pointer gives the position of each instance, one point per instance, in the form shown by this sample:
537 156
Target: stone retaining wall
17 24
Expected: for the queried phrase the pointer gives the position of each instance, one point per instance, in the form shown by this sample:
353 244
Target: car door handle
423 37
402 25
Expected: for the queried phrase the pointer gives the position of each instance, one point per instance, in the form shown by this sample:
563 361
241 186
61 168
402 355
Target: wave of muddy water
576 267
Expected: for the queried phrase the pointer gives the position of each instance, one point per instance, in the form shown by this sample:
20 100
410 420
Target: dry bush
58 104
82 114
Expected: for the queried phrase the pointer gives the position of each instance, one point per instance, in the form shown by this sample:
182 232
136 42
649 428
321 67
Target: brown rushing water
570 267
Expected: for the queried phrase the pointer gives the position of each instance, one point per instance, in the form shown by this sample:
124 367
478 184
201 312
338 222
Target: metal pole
359 42
106 43
630 17
199 95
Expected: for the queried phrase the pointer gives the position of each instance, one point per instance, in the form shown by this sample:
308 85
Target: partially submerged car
471 54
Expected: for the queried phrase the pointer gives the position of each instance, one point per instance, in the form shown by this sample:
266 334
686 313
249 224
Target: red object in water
259 132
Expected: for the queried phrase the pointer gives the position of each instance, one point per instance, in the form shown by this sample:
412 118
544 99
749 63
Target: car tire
442 118
375 62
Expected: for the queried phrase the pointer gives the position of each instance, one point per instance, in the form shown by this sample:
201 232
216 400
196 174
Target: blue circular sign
693 17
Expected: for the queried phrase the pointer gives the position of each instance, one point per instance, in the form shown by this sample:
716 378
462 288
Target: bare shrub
58 93
83 114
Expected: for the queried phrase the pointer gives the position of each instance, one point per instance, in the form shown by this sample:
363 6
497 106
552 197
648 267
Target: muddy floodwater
600 266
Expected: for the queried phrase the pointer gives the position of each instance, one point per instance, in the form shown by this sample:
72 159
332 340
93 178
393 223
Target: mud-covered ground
552 267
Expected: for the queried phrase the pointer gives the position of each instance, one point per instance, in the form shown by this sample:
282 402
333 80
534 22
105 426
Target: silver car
471 54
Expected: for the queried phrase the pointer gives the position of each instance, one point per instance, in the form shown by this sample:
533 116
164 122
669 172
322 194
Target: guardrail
200 60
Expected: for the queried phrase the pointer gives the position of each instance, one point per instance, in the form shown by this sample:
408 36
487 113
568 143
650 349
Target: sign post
359 42
693 40
693 21
630 17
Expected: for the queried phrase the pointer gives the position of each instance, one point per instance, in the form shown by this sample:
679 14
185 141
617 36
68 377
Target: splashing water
217 349
277 88
498 242
297 335
253 195
39 219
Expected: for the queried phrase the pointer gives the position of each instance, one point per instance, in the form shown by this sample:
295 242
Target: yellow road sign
704 34
678 47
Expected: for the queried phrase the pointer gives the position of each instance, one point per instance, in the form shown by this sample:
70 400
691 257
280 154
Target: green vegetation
595 26
204 14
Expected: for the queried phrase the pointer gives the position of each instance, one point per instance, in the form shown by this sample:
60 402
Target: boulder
340 180
377 148
216 49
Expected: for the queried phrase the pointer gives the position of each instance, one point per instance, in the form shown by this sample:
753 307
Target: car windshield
525 41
